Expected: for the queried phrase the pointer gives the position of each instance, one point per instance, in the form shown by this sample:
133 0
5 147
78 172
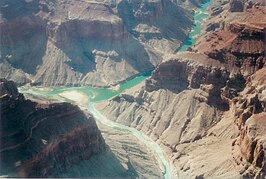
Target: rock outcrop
187 117
72 42
250 117
240 44
180 107
183 72
206 107
43 140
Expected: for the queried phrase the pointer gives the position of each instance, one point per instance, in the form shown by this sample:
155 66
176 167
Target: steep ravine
168 169
206 107
88 43
43 140
41 137
150 161
200 120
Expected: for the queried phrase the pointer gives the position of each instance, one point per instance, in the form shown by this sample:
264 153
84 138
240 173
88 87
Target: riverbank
86 97
78 97
81 99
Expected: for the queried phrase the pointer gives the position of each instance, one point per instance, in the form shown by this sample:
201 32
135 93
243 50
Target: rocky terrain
240 44
41 137
206 107
79 42
43 140
127 158
208 130
250 115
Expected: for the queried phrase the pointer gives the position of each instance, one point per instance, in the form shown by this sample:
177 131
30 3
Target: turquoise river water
95 95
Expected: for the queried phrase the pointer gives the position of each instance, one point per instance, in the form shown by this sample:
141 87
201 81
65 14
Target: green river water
95 95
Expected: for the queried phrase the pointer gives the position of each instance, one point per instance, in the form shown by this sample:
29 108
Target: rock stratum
240 43
94 43
43 140
206 106
209 129
250 115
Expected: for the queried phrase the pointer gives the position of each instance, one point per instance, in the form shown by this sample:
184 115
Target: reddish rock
250 118
240 45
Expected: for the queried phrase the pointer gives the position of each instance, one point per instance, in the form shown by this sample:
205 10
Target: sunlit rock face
206 106
96 43
180 106
199 113
236 38
249 149
42 140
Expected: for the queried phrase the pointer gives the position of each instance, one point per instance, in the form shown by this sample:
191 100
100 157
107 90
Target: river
96 95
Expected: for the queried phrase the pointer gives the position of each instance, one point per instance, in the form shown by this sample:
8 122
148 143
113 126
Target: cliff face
71 42
198 113
236 37
250 117
181 108
206 107
41 140
183 72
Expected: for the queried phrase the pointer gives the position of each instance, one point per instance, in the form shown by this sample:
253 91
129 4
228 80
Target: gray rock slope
95 43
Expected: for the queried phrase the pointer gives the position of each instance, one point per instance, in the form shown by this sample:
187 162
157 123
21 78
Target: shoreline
82 100
77 97
113 86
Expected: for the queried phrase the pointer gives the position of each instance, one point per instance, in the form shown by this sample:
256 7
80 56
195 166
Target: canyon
206 106
44 140
88 43
200 114
43 137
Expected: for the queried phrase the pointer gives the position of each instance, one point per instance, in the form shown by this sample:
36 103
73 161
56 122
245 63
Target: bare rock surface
41 137
240 43
206 107
209 119
250 117
200 137
43 140
92 43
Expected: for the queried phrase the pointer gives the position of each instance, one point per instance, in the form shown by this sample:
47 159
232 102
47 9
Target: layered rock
176 117
250 117
42 140
71 42
240 44
203 107
183 71
184 106
226 11
249 148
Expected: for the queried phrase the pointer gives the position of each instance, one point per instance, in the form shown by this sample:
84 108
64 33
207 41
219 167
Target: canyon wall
181 108
207 125
206 106
240 41
73 43
250 115
43 140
